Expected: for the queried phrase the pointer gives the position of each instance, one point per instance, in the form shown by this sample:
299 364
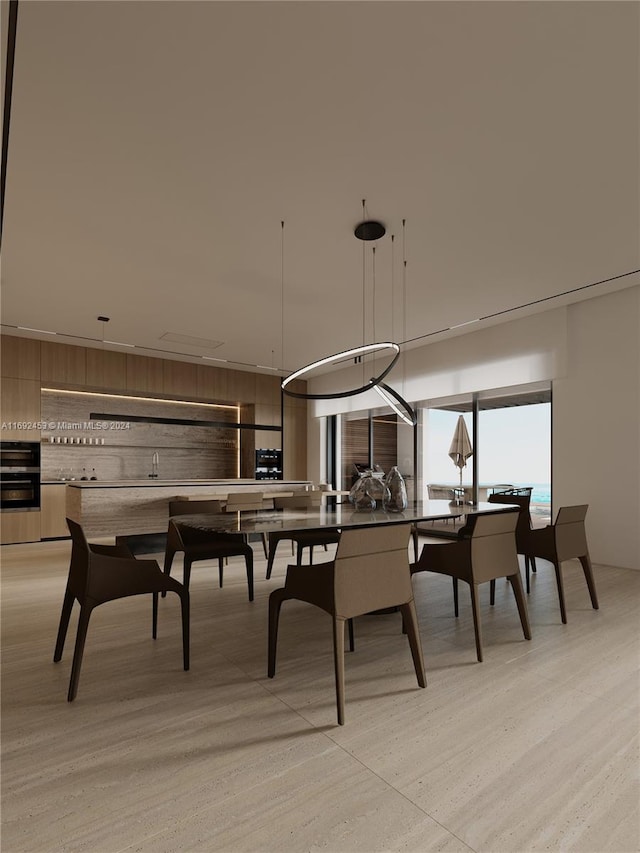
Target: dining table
332 518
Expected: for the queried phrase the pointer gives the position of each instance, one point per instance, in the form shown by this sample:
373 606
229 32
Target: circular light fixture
334 359
370 230
397 403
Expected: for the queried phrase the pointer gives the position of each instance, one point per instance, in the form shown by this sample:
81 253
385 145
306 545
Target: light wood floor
534 749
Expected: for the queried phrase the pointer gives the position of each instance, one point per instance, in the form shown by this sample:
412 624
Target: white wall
590 351
596 425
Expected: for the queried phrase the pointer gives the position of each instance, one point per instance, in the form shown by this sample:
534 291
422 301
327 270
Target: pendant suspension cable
393 289
373 319
282 362
364 297
404 305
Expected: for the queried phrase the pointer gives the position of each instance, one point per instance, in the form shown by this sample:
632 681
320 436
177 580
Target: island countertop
235 484
121 507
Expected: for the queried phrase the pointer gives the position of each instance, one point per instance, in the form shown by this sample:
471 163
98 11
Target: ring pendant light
334 359
397 403
366 230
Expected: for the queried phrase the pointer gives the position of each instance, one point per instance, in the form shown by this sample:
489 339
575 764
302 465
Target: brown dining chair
370 572
101 573
197 545
487 551
565 540
247 502
522 499
310 539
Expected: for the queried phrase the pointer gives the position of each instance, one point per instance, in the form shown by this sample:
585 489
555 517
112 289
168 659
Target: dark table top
340 517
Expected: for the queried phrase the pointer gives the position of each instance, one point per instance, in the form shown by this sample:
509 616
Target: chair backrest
372 569
301 500
523 528
501 487
493 543
570 533
314 496
79 564
438 493
182 507
240 501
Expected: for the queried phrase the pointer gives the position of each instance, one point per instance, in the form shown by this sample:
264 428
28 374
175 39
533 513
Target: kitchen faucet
155 461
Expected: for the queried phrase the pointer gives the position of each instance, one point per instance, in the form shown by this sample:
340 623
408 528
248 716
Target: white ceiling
155 149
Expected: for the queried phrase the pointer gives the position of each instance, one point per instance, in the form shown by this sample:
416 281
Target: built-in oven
19 475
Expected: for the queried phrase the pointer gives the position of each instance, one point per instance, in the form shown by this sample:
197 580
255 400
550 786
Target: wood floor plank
534 749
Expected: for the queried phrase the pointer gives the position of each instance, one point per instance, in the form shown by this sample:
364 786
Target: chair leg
220 570
81 636
310 555
516 585
533 565
352 642
168 562
410 621
67 606
492 592
455 595
338 662
559 581
299 550
271 558
265 547
275 603
588 575
154 616
526 571
414 537
186 572
248 559
477 628
186 621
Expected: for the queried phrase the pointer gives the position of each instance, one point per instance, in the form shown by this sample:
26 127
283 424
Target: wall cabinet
20 409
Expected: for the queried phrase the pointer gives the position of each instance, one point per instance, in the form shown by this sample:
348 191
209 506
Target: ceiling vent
191 341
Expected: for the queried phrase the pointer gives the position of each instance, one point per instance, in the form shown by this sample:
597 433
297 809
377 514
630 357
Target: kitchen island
120 507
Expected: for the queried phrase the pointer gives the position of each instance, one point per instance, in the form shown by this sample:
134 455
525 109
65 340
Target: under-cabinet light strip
147 399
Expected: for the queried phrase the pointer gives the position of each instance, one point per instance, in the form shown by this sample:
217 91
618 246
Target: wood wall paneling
144 375
355 448
63 364
247 442
267 390
355 445
106 369
243 386
212 383
295 441
180 379
20 357
385 442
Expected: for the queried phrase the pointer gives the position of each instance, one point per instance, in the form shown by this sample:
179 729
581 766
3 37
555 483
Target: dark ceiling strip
146 419
6 111
529 304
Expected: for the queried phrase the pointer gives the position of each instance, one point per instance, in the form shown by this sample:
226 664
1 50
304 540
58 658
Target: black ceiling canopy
370 230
